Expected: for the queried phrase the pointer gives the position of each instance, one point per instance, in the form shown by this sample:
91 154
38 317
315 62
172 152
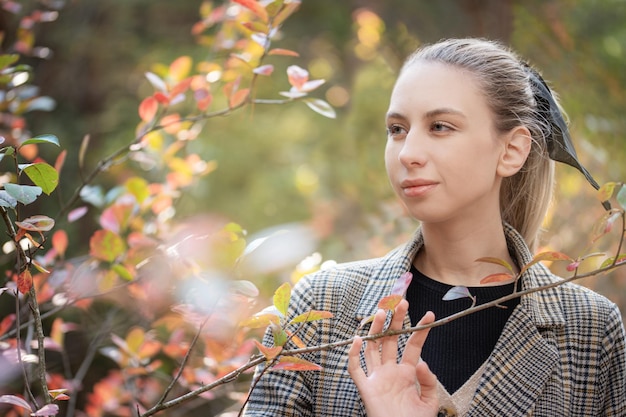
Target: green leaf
621 197
138 187
321 107
42 139
280 336
609 261
6 60
106 245
123 272
25 194
44 176
282 297
274 7
312 315
606 191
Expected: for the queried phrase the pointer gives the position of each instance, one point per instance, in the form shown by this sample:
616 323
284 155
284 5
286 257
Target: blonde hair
505 81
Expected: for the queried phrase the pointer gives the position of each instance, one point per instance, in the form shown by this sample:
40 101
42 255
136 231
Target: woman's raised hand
389 388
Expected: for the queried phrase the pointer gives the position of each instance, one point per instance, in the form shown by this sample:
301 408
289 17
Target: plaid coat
561 353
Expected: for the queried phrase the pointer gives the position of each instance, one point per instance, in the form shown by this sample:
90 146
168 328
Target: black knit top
457 349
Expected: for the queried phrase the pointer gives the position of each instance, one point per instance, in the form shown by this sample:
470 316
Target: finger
354 364
428 384
390 344
372 351
415 343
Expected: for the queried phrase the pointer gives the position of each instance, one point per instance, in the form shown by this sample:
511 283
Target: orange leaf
148 108
296 340
60 241
255 7
285 52
180 68
496 278
269 352
24 281
181 87
289 363
238 98
390 302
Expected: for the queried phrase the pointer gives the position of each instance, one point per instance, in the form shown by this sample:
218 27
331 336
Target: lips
417 187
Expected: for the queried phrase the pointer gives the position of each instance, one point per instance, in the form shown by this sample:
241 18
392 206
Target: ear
516 147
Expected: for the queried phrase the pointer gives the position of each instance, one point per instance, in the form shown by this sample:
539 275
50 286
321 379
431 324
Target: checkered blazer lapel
526 353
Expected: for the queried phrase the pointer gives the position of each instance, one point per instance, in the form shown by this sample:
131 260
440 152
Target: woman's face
442 148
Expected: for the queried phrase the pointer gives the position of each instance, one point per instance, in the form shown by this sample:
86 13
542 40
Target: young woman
471 131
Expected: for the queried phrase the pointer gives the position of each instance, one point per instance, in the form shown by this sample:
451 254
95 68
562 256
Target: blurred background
284 164
286 167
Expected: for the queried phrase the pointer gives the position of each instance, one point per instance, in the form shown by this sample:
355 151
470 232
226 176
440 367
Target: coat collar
543 307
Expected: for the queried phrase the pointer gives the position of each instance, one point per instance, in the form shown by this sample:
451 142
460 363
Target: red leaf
501 277
285 52
24 282
6 323
60 241
255 7
289 363
148 108
161 98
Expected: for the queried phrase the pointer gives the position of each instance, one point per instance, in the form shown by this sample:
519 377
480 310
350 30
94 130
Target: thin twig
181 368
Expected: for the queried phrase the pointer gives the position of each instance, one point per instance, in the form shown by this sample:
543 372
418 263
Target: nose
412 150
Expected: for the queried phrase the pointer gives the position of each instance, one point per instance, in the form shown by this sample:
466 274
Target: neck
450 251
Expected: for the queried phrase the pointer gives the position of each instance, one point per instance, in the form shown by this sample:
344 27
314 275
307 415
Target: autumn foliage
195 319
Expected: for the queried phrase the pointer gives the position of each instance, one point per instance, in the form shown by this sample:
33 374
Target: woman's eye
440 127
394 130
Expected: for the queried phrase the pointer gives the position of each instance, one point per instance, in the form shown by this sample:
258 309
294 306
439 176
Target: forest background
288 168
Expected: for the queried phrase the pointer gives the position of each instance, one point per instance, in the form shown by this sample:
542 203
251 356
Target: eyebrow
430 114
